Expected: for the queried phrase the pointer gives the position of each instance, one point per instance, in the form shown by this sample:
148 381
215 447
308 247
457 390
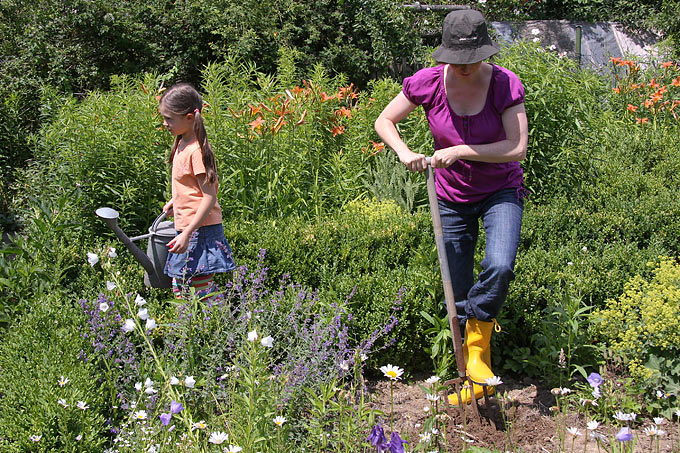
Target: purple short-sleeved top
468 181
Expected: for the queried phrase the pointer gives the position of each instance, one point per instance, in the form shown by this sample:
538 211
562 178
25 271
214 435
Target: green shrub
641 326
561 101
369 250
34 357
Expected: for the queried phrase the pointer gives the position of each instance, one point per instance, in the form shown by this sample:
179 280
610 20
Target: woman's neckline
486 100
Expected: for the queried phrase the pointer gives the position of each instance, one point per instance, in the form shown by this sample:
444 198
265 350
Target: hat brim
465 56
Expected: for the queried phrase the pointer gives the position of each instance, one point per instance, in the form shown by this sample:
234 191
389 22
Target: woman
476 115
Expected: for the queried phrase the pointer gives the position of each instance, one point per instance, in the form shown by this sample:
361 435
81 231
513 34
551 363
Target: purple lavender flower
624 435
396 443
594 380
176 407
165 418
378 439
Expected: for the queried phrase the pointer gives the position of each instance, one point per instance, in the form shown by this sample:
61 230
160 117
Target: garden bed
530 425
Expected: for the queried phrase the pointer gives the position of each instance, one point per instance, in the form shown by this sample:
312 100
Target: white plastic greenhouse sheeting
599 41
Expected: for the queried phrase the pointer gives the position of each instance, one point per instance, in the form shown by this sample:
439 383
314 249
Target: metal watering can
160 233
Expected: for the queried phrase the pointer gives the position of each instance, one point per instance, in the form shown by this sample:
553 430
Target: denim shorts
208 252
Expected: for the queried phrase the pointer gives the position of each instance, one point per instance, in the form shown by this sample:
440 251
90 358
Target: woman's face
176 124
465 70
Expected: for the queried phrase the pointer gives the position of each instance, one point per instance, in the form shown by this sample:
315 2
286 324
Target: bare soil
528 424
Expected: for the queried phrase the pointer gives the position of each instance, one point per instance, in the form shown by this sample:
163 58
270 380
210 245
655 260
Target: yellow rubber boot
477 355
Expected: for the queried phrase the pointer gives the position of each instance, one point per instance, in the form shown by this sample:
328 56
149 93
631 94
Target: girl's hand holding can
179 243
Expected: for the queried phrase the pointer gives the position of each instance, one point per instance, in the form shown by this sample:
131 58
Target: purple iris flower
594 380
624 435
176 407
165 418
396 443
377 438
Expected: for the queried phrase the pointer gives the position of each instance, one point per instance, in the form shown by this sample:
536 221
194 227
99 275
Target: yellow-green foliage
645 318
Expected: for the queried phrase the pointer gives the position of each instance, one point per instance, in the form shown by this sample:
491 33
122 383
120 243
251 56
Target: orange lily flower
667 64
615 60
254 110
377 147
676 82
256 124
337 130
617 90
631 108
344 111
297 90
675 104
325 97
642 120
648 103
653 83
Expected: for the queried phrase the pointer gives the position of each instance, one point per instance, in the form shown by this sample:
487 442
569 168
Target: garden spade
448 294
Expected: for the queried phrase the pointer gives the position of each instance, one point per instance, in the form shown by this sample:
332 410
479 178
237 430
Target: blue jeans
501 215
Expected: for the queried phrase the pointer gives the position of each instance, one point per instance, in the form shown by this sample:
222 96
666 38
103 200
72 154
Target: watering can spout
154 270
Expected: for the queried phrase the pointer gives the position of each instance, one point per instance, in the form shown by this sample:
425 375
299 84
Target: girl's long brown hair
183 99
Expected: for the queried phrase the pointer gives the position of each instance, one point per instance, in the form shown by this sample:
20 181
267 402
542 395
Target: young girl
200 249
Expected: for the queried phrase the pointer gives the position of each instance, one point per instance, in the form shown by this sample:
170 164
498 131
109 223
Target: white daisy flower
574 431
234 449
431 397
592 425
82 405
432 380
218 437
140 415
493 381
63 381
198 425
535 31
62 402
659 420
654 431
279 420
35 438
392 372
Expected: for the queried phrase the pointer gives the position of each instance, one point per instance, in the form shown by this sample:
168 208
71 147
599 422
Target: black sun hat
465 38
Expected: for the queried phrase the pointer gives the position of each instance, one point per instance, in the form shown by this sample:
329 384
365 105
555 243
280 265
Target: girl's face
176 124
465 70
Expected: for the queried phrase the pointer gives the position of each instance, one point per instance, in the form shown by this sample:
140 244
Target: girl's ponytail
184 99
206 149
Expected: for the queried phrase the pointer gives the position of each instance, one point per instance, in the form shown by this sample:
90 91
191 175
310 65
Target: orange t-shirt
186 192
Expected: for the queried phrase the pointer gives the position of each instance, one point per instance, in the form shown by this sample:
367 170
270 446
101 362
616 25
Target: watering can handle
428 159
159 219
